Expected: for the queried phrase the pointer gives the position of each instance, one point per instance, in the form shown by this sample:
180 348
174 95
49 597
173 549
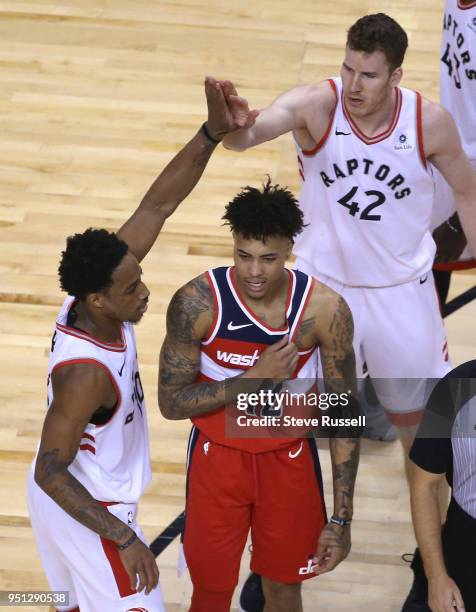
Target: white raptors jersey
458 70
113 460
367 201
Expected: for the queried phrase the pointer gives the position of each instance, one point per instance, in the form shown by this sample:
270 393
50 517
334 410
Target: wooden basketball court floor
95 98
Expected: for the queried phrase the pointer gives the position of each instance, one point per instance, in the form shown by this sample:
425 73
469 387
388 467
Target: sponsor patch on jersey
404 141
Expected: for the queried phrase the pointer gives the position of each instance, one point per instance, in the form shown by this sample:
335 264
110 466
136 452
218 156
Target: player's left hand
225 115
333 547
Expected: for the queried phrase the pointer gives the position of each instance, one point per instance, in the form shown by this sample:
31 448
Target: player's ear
289 250
396 76
95 300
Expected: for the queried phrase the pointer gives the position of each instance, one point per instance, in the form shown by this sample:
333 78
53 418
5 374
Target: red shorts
276 494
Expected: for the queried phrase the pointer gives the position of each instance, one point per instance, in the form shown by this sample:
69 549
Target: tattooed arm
179 177
336 330
63 428
189 318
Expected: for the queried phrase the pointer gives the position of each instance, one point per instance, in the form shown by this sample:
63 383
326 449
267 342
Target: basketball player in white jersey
93 461
457 95
364 145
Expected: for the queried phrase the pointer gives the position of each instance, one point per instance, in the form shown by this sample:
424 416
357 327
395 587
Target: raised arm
307 107
63 428
338 363
189 317
179 177
443 148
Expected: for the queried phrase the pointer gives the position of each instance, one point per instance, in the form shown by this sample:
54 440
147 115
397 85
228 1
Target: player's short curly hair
379 32
89 260
262 213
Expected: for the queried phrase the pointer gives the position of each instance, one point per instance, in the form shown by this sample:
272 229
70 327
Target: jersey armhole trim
464 7
216 306
68 362
421 148
322 141
304 303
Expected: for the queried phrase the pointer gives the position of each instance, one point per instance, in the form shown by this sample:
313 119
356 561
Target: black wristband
207 134
128 542
338 521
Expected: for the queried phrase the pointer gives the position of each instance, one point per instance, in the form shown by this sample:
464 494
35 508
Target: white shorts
399 334
77 560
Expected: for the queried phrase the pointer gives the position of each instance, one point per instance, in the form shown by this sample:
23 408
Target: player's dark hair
379 32
89 260
261 213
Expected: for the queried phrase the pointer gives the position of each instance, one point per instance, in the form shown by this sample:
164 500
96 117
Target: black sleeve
432 455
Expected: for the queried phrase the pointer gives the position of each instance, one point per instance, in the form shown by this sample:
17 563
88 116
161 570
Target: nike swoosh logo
343 133
232 327
298 452
120 371
423 280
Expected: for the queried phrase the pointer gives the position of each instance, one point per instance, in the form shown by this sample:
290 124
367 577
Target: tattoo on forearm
339 364
56 480
345 461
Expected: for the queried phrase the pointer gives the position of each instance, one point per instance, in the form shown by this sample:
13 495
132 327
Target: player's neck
380 118
273 304
100 327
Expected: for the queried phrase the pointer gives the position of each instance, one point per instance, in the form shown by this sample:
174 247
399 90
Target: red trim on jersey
106 504
421 148
119 571
465 7
87 447
369 140
322 141
215 306
82 335
68 362
252 315
301 174
405 419
308 297
466 264
89 437
113 347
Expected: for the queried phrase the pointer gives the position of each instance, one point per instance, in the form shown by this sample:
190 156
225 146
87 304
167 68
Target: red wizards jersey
236 339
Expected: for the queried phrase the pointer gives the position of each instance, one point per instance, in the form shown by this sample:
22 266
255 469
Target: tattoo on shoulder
185 308
305 328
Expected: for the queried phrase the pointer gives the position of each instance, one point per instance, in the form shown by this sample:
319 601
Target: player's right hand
278 361
140 566
444 595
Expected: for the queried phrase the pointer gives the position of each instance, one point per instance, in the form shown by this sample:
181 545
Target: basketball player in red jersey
227 330
93 460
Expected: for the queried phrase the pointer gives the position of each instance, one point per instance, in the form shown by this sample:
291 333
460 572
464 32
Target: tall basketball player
93 461
364 145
